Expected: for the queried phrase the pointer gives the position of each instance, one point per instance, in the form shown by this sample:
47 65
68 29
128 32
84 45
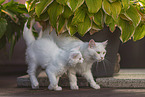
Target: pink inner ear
92 43
74 55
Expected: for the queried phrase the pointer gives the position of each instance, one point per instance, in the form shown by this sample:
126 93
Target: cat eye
98 52
79 58
104 52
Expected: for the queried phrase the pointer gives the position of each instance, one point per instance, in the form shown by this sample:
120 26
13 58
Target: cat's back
44 46
65 41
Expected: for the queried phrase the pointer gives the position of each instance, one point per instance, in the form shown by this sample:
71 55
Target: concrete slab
126 78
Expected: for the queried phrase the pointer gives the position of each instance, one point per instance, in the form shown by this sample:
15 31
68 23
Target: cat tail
28 34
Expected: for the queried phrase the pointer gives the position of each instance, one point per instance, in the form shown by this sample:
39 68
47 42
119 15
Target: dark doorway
132 54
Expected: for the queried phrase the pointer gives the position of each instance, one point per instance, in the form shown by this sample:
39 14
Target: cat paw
58 88
35 86
95 86
74 87
50 87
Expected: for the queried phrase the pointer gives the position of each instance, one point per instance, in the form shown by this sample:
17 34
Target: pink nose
102 58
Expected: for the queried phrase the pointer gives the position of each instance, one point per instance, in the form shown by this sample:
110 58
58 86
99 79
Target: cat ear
92 43
74 55
105 43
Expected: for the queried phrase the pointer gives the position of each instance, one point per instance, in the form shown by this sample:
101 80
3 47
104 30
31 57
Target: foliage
84 16
11 23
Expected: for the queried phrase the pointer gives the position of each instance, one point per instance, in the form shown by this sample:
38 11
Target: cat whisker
97 65
104 67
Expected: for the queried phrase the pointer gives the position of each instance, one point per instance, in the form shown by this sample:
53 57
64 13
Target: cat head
75 56
97 50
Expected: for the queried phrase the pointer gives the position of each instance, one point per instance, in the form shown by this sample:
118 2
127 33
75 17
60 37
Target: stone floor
8 88
126 78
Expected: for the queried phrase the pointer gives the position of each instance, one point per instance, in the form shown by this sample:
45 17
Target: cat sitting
92 51
45 53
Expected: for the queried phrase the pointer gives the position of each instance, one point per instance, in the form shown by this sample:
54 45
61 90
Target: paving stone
126 78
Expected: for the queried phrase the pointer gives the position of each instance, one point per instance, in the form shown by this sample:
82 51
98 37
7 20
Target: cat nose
102 58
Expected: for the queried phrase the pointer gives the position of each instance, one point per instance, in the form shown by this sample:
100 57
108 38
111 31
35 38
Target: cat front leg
32 74
89 77
73 80
53 81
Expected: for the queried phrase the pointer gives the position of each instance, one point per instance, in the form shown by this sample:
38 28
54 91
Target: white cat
92 51
45 53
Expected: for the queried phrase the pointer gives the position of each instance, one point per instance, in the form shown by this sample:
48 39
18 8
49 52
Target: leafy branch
84 16
12 20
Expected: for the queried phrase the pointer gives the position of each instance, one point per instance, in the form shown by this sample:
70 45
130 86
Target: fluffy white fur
44 53
92 51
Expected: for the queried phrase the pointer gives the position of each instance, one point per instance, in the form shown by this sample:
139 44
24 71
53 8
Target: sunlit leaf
85 26
54 10
106 7
41 6
139 32
115 9
127 30
62 1
74 4
112 1
61 25
71 28
98 18
93 5
79 16
133 15
67 12
125 4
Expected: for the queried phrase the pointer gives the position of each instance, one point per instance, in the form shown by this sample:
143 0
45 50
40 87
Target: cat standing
45 53
92 51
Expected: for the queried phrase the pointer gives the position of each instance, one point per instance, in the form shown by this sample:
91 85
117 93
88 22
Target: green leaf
96 27
133 15
41 6
63 2
3 26
127 30
115 9
54 10
13 42
2 1
61 24
2 42
67 12
125 4
8 4
112 1
108 19
11 15
98 17
27 4
43 17
74 4
93 5
139 32
79 16
71 28
30 4
112 26
106 7
85 26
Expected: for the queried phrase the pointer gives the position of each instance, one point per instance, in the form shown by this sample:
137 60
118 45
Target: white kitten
45 53
92 51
